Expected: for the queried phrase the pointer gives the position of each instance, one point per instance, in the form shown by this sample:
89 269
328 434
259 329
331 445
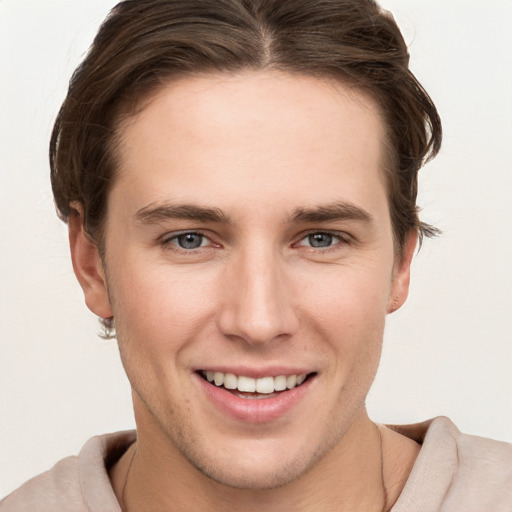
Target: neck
362 472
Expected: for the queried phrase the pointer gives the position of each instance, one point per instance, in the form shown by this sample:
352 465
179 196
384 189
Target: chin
254 478
257 464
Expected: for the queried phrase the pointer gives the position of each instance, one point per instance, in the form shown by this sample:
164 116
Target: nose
257 305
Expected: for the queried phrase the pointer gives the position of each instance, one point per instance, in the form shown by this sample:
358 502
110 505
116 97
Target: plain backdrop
447 352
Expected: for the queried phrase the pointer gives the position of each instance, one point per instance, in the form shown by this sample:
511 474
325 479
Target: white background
448 351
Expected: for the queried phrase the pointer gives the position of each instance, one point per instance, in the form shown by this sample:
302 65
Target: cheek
347 310
158 306
350 297
158 315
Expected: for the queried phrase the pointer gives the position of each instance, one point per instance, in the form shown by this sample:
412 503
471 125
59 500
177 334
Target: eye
321 240
188 241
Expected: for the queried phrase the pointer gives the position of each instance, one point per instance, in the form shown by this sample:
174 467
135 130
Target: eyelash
171 241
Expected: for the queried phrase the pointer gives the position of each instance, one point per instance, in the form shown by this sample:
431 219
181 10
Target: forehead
259 135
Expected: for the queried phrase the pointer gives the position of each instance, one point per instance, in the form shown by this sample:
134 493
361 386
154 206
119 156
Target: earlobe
87 266
402 274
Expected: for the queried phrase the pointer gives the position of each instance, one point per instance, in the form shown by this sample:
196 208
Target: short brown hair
145 43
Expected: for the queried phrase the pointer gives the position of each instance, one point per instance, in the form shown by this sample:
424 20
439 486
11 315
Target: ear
88 266
402 274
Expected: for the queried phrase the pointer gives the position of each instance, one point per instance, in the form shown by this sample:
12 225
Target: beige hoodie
454 472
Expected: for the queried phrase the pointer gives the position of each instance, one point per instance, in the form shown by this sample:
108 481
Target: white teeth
230 381
291 381
218 378
246 384
263 385
280 383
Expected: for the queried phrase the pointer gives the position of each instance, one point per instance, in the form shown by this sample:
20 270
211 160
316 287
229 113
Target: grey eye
320 240
190 240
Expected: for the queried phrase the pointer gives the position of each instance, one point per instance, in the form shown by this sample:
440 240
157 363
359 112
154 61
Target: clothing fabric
454 472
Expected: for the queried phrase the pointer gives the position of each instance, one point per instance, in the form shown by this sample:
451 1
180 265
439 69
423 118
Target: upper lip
257 373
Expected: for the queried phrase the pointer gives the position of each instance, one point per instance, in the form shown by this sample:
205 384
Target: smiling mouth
249 388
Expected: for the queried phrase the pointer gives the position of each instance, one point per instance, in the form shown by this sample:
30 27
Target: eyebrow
331 212
159 212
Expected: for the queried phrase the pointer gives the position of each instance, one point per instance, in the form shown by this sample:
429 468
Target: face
250 266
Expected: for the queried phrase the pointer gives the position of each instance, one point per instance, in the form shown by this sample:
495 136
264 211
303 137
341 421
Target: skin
266 150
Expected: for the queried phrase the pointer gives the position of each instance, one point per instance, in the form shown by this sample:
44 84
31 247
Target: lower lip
254 410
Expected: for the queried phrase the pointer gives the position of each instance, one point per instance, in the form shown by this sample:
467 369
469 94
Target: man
239 179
